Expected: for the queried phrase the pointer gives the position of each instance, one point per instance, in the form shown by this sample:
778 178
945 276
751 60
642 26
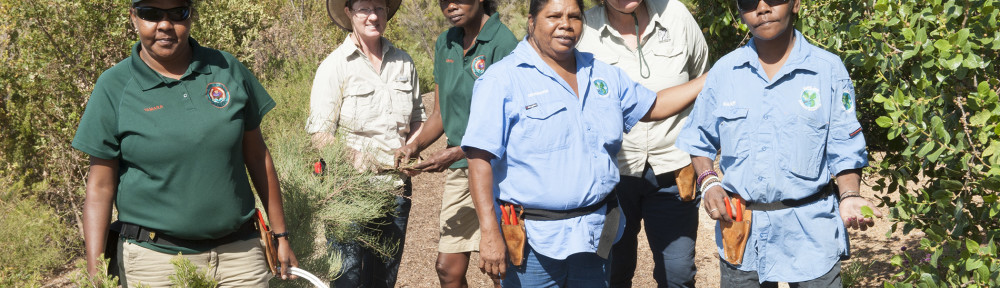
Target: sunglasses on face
750 5
154 14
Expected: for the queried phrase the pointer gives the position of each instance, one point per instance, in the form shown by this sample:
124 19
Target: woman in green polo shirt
462 54
172 132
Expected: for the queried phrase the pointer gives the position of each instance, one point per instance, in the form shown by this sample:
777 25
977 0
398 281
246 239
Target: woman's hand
850 213
714 200
287 259
493 254
441 160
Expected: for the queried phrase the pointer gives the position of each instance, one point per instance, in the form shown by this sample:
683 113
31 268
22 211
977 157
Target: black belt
608 233
142 234
785 204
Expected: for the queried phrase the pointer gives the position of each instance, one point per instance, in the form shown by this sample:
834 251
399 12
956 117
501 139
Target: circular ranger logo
218 95
810 98
846 98
479 65
601 86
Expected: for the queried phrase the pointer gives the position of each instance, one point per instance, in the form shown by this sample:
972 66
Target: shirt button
185 95
766 117
760 178
763 149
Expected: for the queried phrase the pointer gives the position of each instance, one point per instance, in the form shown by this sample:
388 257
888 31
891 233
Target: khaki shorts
459 223
237 264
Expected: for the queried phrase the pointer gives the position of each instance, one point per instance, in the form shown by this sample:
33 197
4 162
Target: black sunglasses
750 5
154 14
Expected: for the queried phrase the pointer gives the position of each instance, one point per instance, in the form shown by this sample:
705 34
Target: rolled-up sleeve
700 134
846 144
325 99
489 125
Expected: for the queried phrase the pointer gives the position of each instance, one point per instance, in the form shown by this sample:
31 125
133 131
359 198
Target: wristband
709 179
851 196
705 174
709 186
280 235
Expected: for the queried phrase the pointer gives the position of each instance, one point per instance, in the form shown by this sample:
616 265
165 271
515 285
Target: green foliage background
924 71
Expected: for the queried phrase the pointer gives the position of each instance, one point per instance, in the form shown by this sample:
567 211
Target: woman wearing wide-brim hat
366 93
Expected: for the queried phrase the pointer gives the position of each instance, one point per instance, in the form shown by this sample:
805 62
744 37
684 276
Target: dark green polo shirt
179 143
456 73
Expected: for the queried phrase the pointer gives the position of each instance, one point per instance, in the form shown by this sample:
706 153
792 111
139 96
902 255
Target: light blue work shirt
553 150
781 140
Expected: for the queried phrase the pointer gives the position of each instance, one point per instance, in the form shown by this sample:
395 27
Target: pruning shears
738 204
508 214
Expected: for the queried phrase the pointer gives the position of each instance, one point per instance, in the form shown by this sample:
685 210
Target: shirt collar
655 17
486 33
386 45
147 78
800 52
526 56
489 28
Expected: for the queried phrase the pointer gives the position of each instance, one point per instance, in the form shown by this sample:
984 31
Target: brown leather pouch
685 179
270 244
512 226
736 233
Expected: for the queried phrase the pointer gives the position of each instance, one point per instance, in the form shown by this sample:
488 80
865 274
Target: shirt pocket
807 139
402 102
546 128
732 131
359 106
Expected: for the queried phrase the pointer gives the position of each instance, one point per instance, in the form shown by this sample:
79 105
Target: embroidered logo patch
218 95
601 86
479 65
663 35
846 98
810 98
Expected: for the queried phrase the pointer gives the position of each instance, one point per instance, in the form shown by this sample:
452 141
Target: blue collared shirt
554 150
781 139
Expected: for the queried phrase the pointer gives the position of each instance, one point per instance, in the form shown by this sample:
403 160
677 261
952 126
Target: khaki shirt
675 50
369 112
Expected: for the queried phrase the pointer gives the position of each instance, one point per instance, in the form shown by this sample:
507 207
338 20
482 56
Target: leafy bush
33 241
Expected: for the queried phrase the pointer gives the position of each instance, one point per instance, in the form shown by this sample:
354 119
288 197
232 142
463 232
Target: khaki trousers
237 264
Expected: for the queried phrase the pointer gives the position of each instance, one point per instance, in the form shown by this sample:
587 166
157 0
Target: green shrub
81 278
33 242
189 275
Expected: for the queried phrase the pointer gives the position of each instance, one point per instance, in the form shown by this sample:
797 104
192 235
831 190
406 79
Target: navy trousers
671 230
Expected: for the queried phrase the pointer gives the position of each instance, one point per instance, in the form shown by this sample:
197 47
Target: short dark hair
536 5
489 7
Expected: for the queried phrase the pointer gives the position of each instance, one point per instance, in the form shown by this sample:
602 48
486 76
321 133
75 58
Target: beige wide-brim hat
335 9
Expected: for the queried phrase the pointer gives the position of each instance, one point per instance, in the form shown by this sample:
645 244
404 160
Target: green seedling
867 212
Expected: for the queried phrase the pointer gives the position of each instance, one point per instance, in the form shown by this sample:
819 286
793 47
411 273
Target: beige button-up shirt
370 112
675 50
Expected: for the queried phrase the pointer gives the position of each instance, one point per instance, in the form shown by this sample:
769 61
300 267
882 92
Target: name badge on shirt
402 78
